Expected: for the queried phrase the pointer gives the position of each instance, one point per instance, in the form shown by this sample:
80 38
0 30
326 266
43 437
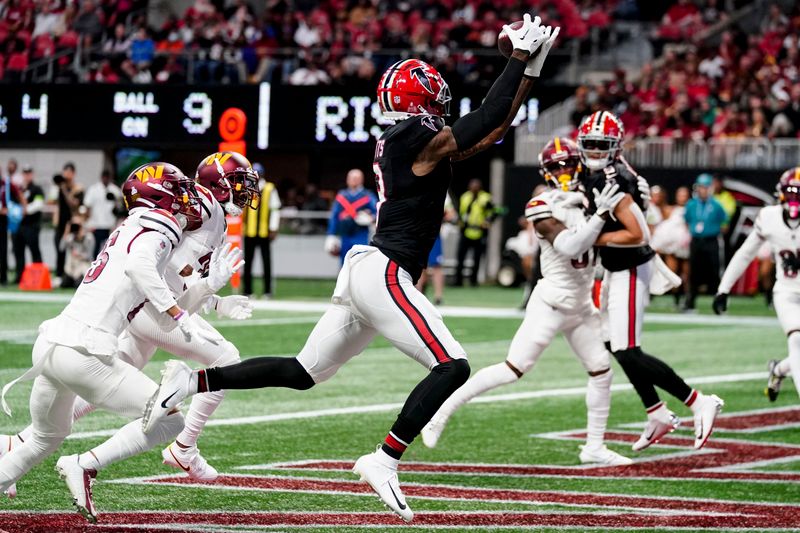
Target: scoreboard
131 115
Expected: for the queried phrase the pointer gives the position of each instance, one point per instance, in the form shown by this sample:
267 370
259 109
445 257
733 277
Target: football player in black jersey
630 266
375 291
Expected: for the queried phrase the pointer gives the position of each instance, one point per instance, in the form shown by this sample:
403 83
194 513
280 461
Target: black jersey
410 207
616 259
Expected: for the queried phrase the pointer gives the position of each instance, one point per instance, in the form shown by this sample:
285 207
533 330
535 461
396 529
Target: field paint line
381 408
449 311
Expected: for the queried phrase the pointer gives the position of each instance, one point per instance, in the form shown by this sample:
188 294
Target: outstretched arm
740 261
635 232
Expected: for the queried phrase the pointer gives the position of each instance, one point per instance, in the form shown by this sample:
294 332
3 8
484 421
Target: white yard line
389 407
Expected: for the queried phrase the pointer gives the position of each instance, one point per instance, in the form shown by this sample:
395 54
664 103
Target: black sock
644 371
631 364
256 373
422 404
665 377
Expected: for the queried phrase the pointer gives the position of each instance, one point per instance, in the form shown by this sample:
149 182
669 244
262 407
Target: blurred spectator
13 173
77 244
67 197
8 191
89 22
475 212
706 219
142 48
310 74
261 227
28 234
103 201
671 239
723 196
353 214
119 45
434 270
312 201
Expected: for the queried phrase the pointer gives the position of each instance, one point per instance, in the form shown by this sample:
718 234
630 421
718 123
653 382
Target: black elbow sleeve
474 126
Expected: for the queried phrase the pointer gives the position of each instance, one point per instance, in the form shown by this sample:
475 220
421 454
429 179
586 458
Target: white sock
203 406
658 412
130 440
598 404
484 380
22 458
783 368
794 358
697 402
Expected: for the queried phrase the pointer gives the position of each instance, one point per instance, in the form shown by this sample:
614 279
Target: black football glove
720 304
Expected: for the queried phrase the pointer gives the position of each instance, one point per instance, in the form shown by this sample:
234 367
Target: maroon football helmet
560 164
412 87
788 190
231 179
160 185
600 139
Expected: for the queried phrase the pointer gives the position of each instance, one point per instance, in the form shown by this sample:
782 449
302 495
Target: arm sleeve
333 221
473 127
740 261
573 242
274 211
37 203
142 268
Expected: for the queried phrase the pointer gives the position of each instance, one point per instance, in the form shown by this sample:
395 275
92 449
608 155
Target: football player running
561 301
228 179
779 227
75 353
632 267
375 291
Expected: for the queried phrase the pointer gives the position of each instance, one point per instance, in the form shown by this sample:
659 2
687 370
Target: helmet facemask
244 191
597 153
790 198
186 204
563 175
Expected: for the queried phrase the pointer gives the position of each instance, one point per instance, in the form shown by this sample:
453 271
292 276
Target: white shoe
173 389
654 430
79 482
6 442
383 480
704 418
432 431
601 455
190 461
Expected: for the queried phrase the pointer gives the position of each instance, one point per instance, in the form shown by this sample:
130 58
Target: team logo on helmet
422 77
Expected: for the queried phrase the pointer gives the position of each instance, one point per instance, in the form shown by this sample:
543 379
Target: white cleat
79 482
190 461
173 389
383 480
432 431
601 455
704 418
6 442
655 430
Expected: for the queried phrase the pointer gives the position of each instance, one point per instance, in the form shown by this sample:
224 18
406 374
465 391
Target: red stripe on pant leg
417 320
632 309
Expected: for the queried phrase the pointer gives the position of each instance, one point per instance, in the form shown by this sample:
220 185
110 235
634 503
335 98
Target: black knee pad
457 370
627 356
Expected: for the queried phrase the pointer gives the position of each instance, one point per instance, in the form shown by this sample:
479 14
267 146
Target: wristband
179 315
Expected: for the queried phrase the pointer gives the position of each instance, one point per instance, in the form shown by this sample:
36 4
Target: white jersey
197 245
567 282
784 242
129 269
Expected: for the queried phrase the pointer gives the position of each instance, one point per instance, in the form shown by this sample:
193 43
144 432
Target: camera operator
103 201
78 246
67 196
27 236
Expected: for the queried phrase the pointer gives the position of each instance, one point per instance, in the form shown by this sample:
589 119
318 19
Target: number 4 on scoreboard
40 113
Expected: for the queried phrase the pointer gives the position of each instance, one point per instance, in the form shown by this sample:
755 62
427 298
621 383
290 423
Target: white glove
644 191
607 200
192 332
333 244
536 61
225 261
235 307
522 38
363 218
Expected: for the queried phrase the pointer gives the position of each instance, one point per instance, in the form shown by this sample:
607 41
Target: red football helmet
161 185
231 179
412 87
600 139
560 164
789 192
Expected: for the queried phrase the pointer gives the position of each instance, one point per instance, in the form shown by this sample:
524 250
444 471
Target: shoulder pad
538 209
207 202
162 222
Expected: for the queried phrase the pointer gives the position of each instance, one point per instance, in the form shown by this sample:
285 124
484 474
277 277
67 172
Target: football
504 43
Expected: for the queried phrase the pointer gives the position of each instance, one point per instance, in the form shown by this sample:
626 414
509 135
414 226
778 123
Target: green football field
506 462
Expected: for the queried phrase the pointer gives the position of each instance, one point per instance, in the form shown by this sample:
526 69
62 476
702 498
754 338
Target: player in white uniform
779 227
561 301
75 353
188 263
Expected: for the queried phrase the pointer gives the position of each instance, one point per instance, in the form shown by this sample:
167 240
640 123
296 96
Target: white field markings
389 407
